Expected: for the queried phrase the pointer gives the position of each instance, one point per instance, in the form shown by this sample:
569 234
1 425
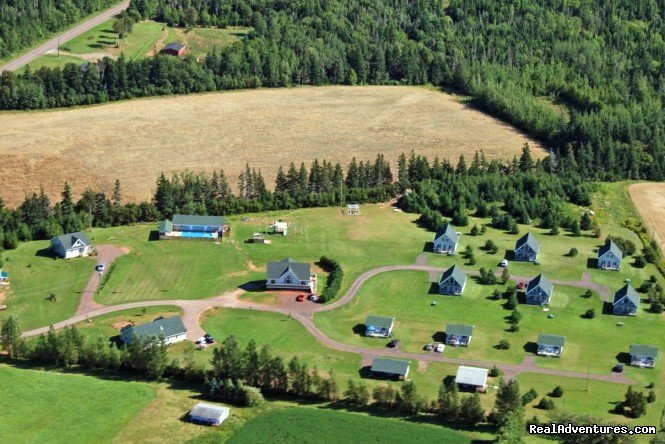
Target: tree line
24 23
584 77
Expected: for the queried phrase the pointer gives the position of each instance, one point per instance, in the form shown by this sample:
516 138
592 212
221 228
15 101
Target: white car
439 348
503 263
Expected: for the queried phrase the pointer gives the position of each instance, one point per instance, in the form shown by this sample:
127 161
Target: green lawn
199 41
34 275
52 61
180 269
311 425
61 408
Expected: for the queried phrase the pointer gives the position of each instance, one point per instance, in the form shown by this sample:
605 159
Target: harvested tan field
649 198
137 140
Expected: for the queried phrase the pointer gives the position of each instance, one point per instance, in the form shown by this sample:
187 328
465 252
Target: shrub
503 344
573 252
557 392
334 278
587 294
640 262
651 397
496 295
546 404
494 372
529 396
590 313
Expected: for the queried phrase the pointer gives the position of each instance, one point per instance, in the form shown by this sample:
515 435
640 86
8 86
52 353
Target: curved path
106 254
304 313
67 35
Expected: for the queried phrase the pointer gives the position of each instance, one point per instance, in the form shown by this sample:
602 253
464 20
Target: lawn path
304 312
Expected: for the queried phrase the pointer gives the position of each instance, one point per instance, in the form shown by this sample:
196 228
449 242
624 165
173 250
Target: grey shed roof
301 270
530 240
643 350
166 326
541 281
209 411
610 246
629 292
189 219
459 329
456 272
176 46
471 376
554 340
448 231
380 321
391 366
69 239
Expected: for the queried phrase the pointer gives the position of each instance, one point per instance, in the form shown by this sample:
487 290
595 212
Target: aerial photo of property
332 221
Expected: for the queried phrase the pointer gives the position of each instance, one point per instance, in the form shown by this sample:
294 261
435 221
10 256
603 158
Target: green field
59 408
309 425
145 37
34 275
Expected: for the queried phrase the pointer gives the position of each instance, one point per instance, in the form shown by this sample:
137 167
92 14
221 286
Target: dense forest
24 23
586 76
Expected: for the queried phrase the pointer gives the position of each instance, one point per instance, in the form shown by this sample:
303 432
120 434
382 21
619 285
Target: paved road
64 37
304 313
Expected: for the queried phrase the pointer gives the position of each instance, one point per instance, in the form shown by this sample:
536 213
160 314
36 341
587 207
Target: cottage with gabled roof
288 274
626 301
643 355
609 256
391 368
174 49
379 326
539 290
192 226
550 345
471 378
452 281
459 334
527 248
446 240
72 245
171 328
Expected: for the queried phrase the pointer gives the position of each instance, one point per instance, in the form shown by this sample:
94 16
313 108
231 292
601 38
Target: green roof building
394 368
172 329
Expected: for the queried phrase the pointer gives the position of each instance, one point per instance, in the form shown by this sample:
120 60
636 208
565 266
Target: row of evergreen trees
583 77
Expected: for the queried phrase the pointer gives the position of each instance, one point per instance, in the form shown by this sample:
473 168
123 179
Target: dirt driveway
106 254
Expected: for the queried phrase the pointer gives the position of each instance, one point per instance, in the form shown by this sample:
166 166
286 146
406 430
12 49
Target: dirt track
649 198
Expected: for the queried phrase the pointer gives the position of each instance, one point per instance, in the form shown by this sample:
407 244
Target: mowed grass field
135 141
59 408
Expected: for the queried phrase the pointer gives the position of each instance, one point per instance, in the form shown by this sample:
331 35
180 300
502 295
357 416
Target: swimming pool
197 234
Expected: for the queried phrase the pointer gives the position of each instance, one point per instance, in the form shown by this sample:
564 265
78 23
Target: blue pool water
197 235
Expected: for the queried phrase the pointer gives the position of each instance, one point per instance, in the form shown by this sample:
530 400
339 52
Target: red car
300 298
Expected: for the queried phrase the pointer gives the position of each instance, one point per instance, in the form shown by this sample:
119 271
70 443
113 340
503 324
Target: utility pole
58 46
588 375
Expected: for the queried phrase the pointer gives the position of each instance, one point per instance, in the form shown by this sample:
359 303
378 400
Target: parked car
100 267
439 348
207 335
618 368
503 263
312 297
300 298
201 346
394 343
210 340
429 347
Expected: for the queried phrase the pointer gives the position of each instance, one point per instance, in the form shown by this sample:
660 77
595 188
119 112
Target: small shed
210 414
174 49
392 368
472 378
279 227
353 210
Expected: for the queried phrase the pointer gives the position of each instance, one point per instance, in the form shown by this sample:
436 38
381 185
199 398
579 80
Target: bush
546 404
557 392
573 252
334 278
496 295
590 313
494 372
503 344
640 262
587 294
529 396
651 397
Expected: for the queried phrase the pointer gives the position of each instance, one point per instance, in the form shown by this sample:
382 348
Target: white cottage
71 245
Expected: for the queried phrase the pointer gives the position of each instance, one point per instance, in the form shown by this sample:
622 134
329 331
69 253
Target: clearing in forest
137 140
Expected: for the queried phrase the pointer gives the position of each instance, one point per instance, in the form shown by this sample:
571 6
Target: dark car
618 368
210 340
207 335
312 297
394 343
